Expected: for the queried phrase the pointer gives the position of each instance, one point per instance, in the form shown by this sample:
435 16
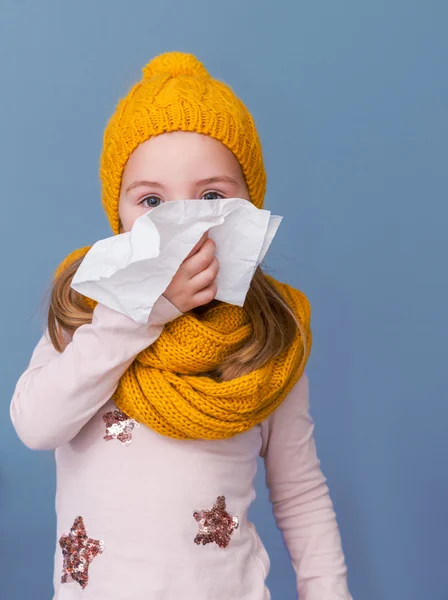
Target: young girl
157 427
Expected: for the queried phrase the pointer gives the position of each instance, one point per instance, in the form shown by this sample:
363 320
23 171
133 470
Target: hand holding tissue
129 271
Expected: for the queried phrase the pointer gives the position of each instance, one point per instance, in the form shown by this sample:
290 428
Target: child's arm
301 502
60 392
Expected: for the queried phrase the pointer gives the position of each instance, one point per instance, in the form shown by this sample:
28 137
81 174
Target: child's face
177 166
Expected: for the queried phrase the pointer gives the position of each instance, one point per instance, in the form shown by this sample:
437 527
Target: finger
205 278
201 260
205 295
198 245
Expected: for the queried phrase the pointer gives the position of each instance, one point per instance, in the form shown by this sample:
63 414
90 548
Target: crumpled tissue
129 271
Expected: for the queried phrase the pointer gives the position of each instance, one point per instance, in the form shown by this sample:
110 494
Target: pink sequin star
119 427
215 525
78 551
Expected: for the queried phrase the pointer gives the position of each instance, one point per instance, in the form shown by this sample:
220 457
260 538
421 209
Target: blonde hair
274 323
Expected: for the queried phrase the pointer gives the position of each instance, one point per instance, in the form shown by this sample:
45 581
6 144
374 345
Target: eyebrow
142 183
207 181
217 179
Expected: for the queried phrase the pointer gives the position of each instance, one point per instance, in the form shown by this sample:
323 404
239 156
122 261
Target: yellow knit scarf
165 387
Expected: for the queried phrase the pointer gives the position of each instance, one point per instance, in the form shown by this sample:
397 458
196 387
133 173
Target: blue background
350 98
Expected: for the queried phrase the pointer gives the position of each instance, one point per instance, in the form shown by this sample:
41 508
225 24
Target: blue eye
212 196
151 201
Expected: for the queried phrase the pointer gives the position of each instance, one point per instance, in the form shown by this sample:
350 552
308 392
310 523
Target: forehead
180 153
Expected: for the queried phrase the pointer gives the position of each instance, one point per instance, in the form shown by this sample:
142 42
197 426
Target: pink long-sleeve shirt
138 492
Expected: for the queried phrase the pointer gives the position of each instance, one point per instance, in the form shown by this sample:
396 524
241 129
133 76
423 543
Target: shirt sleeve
60 392
300 498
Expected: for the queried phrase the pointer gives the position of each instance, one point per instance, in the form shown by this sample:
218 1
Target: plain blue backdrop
350 98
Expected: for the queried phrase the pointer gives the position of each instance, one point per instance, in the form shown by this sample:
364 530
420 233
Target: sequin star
119 427
78 551
215 525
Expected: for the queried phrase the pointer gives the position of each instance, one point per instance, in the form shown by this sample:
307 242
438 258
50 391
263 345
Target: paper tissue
129 271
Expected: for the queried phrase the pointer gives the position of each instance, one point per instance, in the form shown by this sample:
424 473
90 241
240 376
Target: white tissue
129 271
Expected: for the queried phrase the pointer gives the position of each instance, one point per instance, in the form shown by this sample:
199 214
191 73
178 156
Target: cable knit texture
165 389
176 93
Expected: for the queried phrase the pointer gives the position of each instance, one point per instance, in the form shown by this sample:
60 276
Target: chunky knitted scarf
166 389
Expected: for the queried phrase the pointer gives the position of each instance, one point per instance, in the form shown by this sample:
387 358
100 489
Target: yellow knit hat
176 93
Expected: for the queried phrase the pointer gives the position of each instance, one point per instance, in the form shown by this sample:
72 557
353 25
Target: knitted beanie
176 93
